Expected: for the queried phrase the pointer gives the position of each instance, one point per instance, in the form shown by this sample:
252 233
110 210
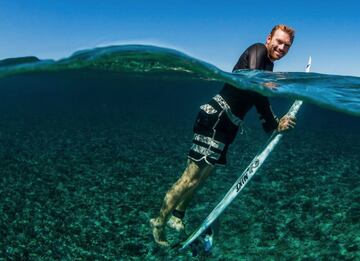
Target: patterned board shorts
215 129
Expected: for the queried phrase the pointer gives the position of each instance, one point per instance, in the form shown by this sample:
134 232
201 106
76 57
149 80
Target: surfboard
243 179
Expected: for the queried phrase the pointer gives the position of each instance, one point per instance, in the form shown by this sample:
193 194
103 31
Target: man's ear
268 39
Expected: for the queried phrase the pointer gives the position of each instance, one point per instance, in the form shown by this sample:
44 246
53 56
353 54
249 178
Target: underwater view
91 143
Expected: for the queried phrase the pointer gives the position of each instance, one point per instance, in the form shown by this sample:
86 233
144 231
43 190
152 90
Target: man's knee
190 181
198 167
193 173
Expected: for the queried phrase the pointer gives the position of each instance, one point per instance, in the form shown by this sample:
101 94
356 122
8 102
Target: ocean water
91 143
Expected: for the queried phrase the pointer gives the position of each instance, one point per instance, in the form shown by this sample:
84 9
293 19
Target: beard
274 54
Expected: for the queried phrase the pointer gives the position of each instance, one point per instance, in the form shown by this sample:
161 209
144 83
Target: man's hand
271 85
286 123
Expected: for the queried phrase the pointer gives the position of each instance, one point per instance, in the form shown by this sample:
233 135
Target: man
216 126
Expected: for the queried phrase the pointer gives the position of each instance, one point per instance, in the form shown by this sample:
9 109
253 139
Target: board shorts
215 129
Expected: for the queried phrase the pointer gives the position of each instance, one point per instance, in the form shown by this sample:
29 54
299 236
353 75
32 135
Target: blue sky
212 31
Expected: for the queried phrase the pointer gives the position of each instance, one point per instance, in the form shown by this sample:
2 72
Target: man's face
278 45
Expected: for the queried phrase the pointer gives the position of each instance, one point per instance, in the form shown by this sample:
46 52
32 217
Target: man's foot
158 232
176 223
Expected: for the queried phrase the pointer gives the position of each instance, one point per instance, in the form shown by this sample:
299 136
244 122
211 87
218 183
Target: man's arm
257 55
267 117
255 58
269 120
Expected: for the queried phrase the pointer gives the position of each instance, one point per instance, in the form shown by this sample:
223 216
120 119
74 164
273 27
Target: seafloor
82 191
86 158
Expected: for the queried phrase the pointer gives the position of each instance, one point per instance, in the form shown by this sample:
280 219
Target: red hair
284 28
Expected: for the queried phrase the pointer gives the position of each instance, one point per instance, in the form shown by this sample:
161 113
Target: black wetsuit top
241 101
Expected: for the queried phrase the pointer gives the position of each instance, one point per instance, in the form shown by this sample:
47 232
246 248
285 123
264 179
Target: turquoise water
331 91
91 143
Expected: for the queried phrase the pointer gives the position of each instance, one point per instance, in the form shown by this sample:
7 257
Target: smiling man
216 126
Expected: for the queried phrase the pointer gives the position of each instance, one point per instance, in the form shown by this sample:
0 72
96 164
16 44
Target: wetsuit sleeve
258 60
267 117
254 58
257 57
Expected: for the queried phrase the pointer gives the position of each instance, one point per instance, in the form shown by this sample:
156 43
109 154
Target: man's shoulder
257 47
255 52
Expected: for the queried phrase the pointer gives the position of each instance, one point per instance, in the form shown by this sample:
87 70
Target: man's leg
175 221
189 180
183 204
